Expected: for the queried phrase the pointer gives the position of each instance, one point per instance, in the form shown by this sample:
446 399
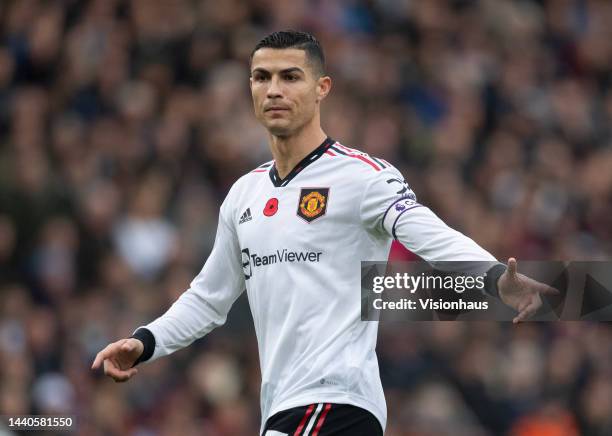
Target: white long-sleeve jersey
296 245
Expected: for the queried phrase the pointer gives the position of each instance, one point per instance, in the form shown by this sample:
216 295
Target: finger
97 361
125 375
117 374
528 312
100 357
522 305
549 290
520 317
512 267
109 367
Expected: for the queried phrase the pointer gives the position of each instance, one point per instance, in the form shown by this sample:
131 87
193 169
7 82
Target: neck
288 151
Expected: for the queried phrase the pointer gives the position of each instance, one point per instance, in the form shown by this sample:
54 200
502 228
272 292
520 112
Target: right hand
118 359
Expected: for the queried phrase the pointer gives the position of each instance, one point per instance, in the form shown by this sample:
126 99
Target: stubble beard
292 128
283 131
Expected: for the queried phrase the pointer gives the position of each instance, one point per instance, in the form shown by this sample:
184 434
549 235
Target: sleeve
390 207
205 304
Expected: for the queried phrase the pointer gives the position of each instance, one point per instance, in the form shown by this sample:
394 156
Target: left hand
521 292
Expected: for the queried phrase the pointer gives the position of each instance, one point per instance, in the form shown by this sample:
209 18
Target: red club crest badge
313 203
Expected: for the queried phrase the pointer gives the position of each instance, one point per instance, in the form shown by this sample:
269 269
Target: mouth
276 109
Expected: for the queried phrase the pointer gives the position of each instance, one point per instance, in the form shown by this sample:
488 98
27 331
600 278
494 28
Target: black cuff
493 274
145 336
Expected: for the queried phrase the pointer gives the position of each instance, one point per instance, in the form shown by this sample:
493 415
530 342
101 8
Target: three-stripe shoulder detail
338 149
263 168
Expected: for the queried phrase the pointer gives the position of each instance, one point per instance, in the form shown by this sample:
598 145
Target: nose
274 89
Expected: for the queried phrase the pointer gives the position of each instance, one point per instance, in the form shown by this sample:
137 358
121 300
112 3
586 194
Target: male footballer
292 232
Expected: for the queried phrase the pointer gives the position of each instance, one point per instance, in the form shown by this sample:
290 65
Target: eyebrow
285 71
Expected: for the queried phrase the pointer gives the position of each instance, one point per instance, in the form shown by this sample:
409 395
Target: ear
324 85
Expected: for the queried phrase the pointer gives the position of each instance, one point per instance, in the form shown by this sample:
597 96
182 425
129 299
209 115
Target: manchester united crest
313 203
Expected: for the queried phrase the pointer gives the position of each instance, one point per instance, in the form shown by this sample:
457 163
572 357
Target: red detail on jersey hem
331 153
321 420
303 421
265 170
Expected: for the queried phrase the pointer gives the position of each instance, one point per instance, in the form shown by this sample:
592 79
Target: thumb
512 267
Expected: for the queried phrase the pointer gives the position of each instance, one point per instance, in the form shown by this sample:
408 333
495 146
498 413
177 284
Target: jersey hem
331 397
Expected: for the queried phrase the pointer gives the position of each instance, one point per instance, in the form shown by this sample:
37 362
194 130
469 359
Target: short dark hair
296 39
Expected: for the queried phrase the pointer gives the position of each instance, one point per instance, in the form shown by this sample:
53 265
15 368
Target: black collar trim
313 156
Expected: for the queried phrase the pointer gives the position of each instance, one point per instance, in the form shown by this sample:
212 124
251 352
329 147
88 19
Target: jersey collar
313 156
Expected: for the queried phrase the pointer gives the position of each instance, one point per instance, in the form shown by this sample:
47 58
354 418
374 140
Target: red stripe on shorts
321 420
303 421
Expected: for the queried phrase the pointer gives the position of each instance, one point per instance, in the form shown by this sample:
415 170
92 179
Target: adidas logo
246 216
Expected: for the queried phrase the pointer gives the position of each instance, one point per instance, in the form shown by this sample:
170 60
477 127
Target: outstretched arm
196 312
425 234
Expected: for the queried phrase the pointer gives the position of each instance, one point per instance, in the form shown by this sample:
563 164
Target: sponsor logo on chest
250 260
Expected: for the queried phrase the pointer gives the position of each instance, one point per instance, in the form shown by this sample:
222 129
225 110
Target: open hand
118 359
521 292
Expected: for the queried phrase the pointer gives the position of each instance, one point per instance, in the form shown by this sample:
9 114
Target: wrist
147 339
492 279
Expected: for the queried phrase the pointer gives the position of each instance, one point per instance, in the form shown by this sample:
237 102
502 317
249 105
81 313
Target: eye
291 77
259 78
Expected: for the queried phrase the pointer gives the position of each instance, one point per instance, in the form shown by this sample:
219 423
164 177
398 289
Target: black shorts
323 419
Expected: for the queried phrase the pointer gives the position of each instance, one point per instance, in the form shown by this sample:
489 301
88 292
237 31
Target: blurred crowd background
123 123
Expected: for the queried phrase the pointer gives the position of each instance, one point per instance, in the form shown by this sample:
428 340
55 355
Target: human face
285 90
